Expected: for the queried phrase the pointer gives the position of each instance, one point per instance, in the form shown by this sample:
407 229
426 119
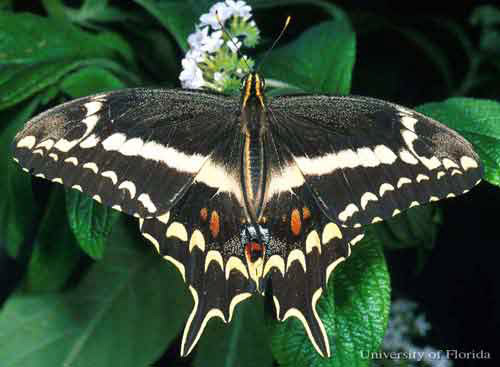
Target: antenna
227 33
287 21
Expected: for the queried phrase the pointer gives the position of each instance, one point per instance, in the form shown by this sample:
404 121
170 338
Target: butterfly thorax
254 125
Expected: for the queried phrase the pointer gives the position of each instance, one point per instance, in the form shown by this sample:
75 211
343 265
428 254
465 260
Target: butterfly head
252 88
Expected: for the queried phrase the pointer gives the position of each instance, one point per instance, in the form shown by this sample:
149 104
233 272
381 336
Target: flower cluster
213 60
405 325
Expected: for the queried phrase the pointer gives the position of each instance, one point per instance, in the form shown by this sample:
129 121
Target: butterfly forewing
367 160
135 150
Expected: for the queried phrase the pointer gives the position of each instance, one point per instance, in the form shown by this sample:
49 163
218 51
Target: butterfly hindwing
367 160
136 150
201 236
304 247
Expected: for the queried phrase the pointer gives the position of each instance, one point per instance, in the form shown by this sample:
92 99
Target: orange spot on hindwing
203 214
214 224
306 213
295 222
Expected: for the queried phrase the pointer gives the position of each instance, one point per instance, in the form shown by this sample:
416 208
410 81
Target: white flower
240 8
212 43
197 38
234 44
195 54
222 10
191 75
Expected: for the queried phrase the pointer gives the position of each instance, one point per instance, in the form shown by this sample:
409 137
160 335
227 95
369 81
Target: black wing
201 236
304 245
366 160
136 150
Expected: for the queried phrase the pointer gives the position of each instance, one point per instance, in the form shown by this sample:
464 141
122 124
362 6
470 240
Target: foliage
128 306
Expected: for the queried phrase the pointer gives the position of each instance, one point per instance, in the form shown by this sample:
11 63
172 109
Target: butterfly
243 193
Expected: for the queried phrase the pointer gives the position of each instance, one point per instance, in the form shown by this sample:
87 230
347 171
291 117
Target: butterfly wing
366 160
201 236
136 150
304 247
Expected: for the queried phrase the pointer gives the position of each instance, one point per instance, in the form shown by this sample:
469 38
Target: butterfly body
240 192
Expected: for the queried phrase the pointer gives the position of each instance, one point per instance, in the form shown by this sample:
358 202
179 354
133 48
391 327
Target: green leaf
35 52
17 211
177 16
321 60
90 80
125 312
90 221
243 343
55 253
477 120
354 310
414 227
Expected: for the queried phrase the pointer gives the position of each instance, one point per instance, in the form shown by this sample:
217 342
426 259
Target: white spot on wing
409 122
448 163
146 201
72 160
131 147
91 166
409 137
111 175
47 144
275 261
332 266
403 181
468 162
285 180
366 197
114 142
235 263
77 187
348 212
214 255
97 198
197 240
54 156
384 154
177 230
171 157
330 232
89 142
92 107
130 186
296 255
407 157
385 187
216 176
421 177
27 142
367 157
313 241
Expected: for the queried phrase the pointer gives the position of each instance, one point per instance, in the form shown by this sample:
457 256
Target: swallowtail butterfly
240 193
